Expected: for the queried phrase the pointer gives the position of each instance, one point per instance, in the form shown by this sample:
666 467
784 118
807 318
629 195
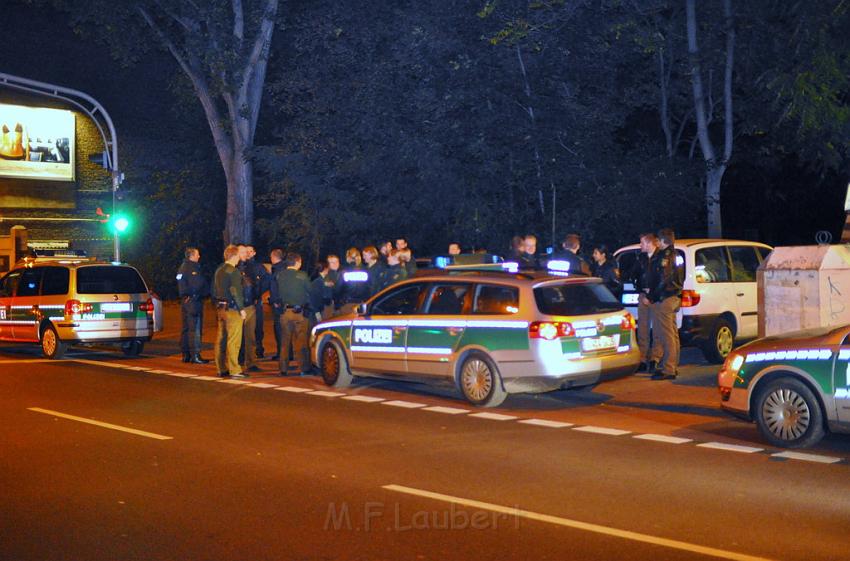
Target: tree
222 48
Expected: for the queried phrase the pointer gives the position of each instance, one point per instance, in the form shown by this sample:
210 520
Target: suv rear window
108 279
575 299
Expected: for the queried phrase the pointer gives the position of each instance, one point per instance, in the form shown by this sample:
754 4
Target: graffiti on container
836 301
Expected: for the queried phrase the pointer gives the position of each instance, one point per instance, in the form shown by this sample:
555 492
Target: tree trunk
713 178
240 196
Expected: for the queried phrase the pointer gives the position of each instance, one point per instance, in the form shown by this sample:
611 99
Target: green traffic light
121 224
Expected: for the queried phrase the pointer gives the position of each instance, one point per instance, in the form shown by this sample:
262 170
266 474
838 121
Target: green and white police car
491 333
795 386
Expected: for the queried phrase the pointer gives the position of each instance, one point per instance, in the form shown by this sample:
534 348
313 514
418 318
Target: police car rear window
109 279
575 299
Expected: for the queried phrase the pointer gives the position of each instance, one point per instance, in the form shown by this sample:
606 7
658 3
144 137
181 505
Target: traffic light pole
96 112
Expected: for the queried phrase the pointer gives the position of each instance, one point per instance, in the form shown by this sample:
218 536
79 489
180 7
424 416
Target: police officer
332 280
230 314
527 256
250 295
666 278
569 253
646 325
394 272
318 290
606 269
291 300
261 280
354 287
192 288
374 268
278 264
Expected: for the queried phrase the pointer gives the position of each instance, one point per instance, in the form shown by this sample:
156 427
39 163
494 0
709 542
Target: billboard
36 143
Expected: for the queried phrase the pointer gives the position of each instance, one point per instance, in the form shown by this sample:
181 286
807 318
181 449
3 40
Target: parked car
719 296
59 301
795 386
491 333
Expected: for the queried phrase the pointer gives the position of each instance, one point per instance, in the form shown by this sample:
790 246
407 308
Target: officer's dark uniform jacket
527 261
227 287
610 276
329 286
393 274
249 290
351 291
291 290
191 284
577 264
317 293
664 277
376 277
260 279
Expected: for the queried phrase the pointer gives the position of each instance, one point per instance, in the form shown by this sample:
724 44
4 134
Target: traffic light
119 223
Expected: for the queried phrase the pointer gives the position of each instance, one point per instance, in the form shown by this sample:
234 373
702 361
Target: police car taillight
550 330
74 307
146 306
690 298
628 322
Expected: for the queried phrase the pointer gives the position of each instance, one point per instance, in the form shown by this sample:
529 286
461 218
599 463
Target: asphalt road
277 469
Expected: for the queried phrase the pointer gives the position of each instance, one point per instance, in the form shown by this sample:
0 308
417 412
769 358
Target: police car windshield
575 299
108 279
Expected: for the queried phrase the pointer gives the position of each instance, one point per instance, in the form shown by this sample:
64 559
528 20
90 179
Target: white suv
719 295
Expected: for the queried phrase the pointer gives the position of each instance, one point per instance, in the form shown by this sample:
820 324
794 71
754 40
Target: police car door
841 382
25 306
434 334
378 339
7 291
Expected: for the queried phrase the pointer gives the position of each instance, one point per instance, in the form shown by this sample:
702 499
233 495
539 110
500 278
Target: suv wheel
720 343
788 414
334 367
51 345
480 382
132 348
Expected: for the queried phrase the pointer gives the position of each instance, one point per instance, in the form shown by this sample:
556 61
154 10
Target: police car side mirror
362 309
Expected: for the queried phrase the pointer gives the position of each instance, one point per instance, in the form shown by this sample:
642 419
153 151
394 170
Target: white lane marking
236 382
545 423
29 361
447 410
663 438
263 385
210 378
293 389
322 393
364 398
730 447
179 374
807 457
160 372
100 424
578 525
494 416
136 368
403 404
602 430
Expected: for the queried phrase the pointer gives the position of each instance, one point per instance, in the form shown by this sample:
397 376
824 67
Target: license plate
601 343
630 299
116 307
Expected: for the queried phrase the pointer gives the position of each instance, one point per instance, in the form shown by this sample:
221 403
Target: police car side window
55 281
30 282
492 299
401 301
447 299
10 283
712 265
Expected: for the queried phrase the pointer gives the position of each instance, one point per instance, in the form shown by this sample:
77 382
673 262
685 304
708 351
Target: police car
68 300
491 333
795 386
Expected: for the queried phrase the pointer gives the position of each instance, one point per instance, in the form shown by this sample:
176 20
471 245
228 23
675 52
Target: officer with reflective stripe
291 299
354 287
230 313
192 288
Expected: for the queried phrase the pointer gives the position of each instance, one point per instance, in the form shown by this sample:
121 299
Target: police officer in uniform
247 355
666 279
230 314
261 281
278 264
646 326
354 287
569 253
291 299
192 288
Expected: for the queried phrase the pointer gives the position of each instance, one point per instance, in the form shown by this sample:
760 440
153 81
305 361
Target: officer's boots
196 359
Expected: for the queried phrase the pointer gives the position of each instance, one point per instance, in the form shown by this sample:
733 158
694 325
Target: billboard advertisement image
36 143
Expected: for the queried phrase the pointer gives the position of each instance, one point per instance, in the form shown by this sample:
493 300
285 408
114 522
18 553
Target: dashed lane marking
446 410
403 404
494 416
160 372
208 378
546 423
663 438
322 393
100 424
364 398
236 382
602 430
293 389
807 457
730 447
28 361
577 524
179 374
263 385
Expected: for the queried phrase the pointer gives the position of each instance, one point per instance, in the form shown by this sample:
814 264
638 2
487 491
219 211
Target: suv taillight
628 323
74 307
146 306
550 330
690 298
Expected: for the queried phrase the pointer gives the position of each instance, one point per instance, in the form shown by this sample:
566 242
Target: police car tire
781 396
340 376
51 345
485 368
720 337
132 348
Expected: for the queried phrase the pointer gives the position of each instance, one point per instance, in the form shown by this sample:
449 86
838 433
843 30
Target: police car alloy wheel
51 345
788 414
480 382
334 368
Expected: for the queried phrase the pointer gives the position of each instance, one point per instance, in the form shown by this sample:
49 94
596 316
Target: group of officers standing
298 303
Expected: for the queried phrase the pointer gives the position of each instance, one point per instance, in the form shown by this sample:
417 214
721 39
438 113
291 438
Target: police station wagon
490 333
58 302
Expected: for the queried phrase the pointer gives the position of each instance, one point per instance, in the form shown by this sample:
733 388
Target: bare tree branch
238 21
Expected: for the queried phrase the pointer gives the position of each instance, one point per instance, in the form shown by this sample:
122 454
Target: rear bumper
104 331
532 376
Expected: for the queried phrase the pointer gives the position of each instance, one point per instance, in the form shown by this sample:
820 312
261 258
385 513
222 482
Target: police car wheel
788 414
334 367
51 345
720 343
132 348
480 382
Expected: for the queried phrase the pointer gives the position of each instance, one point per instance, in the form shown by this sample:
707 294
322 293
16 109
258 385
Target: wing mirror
362 309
